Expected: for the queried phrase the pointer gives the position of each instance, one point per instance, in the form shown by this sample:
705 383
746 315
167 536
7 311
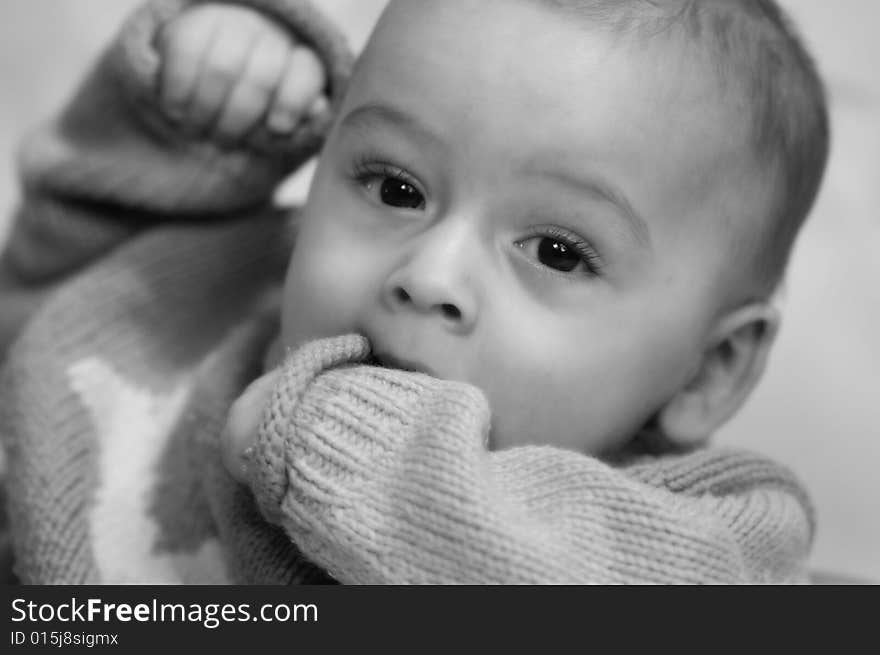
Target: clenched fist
226 70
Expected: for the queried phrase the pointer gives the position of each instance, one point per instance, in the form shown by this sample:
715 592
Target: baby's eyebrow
368 116
598 188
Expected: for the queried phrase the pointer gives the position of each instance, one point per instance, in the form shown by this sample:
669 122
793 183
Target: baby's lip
387 360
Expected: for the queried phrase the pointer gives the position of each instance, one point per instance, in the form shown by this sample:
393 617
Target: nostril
451 312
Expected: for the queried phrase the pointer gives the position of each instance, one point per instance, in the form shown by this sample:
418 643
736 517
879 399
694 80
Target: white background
818 408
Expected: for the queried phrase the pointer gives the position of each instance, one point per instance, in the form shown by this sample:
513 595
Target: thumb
242 422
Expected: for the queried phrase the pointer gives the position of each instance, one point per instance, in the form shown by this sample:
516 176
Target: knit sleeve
383 477
111 165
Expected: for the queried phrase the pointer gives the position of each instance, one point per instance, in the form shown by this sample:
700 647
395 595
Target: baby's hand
225 69
242 424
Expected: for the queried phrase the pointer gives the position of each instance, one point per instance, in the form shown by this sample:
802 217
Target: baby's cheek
519 371
555 384
321 297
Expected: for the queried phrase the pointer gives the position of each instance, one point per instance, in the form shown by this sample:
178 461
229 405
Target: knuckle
288 103
179 60
173 45
227 58
220 68
267 65
248 104
182 36
238 18
260 85
237 117
313 64
306 62
294 101
200 111
301 84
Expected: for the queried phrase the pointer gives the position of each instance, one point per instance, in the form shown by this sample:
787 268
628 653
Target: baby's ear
731 366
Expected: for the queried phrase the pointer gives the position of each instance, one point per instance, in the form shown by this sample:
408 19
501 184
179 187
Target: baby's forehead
611 29
501 59
527 53
711 54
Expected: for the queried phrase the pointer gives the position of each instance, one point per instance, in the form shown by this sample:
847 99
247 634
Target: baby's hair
754 49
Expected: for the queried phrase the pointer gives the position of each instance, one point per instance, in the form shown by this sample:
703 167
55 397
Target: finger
182 46
243 422
221 67
250 97
302 85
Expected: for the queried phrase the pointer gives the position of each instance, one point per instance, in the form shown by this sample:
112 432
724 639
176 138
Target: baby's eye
399 193
562 253
389 185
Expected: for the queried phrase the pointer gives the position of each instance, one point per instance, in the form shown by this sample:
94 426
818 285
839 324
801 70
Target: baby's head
581 207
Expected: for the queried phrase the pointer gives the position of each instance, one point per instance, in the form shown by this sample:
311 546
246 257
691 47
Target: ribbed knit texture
155 263
383 476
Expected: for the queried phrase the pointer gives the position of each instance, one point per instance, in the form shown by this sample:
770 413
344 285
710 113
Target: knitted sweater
149 267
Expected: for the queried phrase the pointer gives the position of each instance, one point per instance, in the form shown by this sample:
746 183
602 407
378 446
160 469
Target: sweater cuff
138 66
270 458
337 430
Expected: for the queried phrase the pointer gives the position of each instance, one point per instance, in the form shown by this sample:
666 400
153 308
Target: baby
532 277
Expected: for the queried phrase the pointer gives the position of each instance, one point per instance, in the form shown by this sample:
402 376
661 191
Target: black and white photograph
438 292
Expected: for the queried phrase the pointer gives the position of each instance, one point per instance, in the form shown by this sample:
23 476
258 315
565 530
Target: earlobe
732 364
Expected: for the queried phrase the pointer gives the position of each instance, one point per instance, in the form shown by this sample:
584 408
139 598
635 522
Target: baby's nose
438 279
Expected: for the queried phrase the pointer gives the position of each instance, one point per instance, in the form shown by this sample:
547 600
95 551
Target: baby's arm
194 113
383 476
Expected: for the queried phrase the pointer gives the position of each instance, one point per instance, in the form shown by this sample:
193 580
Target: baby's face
517 201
